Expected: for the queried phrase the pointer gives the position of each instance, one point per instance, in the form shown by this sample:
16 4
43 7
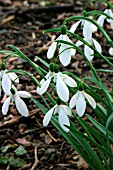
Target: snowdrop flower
15 97
78 100
92 27
61 80
102 18
65 50
87 33
6 81
111 51
63 112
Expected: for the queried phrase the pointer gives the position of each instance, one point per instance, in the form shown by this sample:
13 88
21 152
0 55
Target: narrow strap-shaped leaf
100 127
66 135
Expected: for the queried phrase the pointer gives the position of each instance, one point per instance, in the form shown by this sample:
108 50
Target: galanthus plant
66 109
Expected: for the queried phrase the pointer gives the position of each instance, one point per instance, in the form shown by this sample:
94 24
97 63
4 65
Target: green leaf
3 160
20 151
43 61
52 30
100 127
16 162
5 148
41 107
109 121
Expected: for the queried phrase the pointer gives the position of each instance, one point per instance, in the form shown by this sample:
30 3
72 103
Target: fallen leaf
23 141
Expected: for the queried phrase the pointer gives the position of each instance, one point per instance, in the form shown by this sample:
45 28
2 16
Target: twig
36 159
55 140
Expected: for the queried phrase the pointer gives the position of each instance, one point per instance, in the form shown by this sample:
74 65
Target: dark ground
22 24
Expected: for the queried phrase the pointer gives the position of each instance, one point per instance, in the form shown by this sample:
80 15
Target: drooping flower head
62 82
14 96
79 100
63 112
87 33
6 80
65 50
102 18
92 27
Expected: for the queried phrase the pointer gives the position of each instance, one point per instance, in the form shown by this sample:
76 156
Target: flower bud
12 91
58 101
63 29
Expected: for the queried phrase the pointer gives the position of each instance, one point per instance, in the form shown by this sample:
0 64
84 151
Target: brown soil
22 24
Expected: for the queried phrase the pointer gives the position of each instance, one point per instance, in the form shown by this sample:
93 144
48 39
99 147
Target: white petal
73 100
80 104
97 46
100 20
65 56
63 120
111 23
67 110
87 32
73 51
6 84
21 106
24 94
79 43
74 26
51 50
69 81
90 100
62 89
93 27
5 106
88 52
41 90
111 51
48 116
13 77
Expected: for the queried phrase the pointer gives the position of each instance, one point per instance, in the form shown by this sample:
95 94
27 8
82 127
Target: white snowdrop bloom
61 80
111 51
20 104
87 33
63 112
78 100
65 50
92 27
102 18
6 81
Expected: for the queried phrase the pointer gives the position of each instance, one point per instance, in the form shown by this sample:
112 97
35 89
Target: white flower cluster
6 80
62 82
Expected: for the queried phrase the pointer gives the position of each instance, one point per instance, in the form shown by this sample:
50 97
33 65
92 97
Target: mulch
22 24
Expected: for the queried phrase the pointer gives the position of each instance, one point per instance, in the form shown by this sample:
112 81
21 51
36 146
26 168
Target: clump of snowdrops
94 143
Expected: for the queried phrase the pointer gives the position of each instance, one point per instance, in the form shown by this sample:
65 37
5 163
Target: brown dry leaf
23 141
75 65
48 140
26 166
81 163
111 1
8 19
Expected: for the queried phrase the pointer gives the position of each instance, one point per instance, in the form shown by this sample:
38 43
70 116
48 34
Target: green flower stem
95 12
92 21
89 45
